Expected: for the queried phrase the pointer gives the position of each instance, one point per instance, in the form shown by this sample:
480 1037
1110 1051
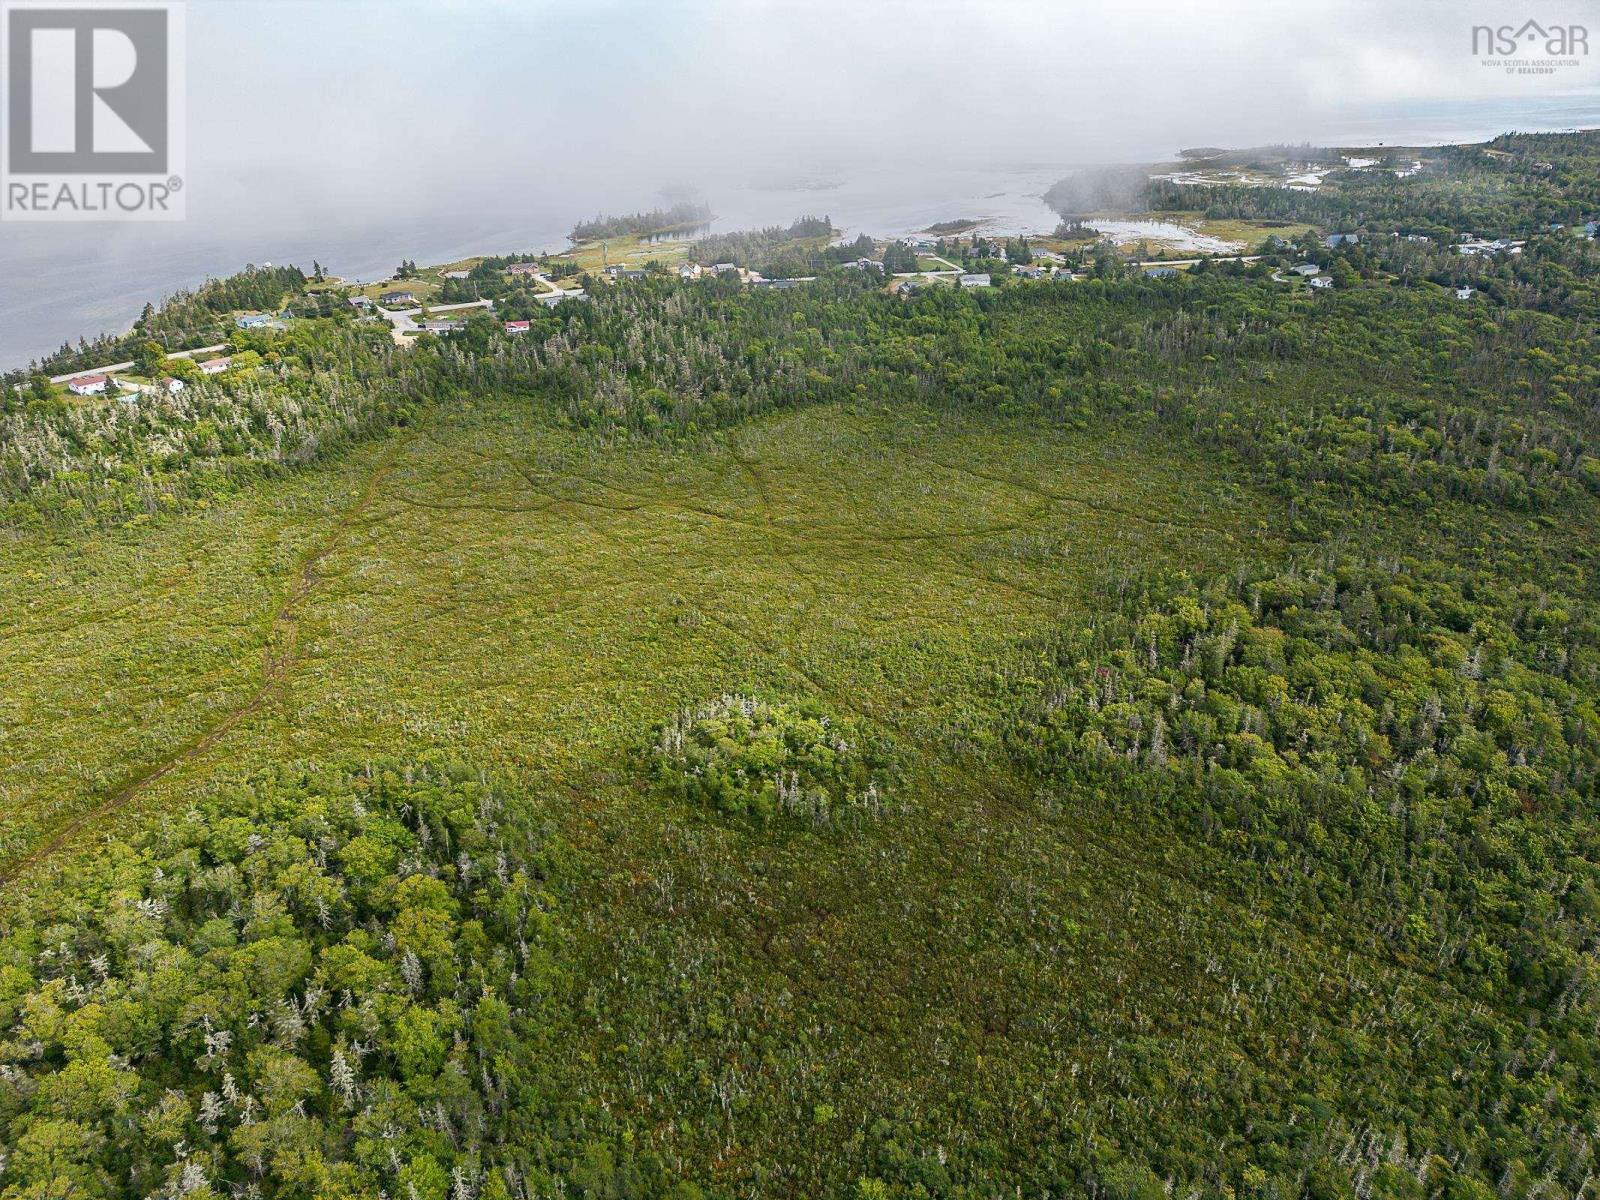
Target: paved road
128 366
403 321
1146 262
1189 262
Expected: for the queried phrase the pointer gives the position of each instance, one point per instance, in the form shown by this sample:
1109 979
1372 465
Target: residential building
253 320
87 385
523 268
216 366
1465 293
1307 269
1321 282
973 281
517 327
397 298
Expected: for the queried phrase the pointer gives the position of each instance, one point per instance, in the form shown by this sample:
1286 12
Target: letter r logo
87 89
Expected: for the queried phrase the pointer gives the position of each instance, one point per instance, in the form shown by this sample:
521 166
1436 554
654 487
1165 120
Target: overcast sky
410 85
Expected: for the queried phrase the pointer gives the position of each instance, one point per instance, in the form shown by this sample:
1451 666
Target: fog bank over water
363 132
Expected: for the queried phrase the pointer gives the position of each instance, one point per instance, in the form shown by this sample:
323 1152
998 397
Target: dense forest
1352 771
1508 187
684 215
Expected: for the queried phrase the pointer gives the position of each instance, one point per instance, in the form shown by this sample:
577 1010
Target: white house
87 385
1306 268
1321 282
979 280
517 327
1465 293
174 386
216 366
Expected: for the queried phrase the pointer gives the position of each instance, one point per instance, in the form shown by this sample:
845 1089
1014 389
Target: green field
629 250
489 583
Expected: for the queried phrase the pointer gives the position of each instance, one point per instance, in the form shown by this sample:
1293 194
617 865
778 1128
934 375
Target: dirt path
278 659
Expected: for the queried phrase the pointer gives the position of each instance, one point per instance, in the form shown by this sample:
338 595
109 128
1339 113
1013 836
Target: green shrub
743 756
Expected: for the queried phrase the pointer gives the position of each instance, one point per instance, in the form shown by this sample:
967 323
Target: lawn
423 286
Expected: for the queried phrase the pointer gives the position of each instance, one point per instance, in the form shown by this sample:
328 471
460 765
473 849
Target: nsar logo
1531 48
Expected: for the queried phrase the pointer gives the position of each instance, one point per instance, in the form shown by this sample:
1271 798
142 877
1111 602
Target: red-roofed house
215 366
516 327
87 385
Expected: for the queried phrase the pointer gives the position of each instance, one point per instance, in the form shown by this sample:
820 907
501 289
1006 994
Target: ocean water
58 282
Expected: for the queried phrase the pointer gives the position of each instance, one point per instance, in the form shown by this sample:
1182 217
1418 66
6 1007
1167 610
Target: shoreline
450 247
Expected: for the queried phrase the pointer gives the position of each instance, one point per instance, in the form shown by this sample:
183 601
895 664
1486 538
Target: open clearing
495 586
